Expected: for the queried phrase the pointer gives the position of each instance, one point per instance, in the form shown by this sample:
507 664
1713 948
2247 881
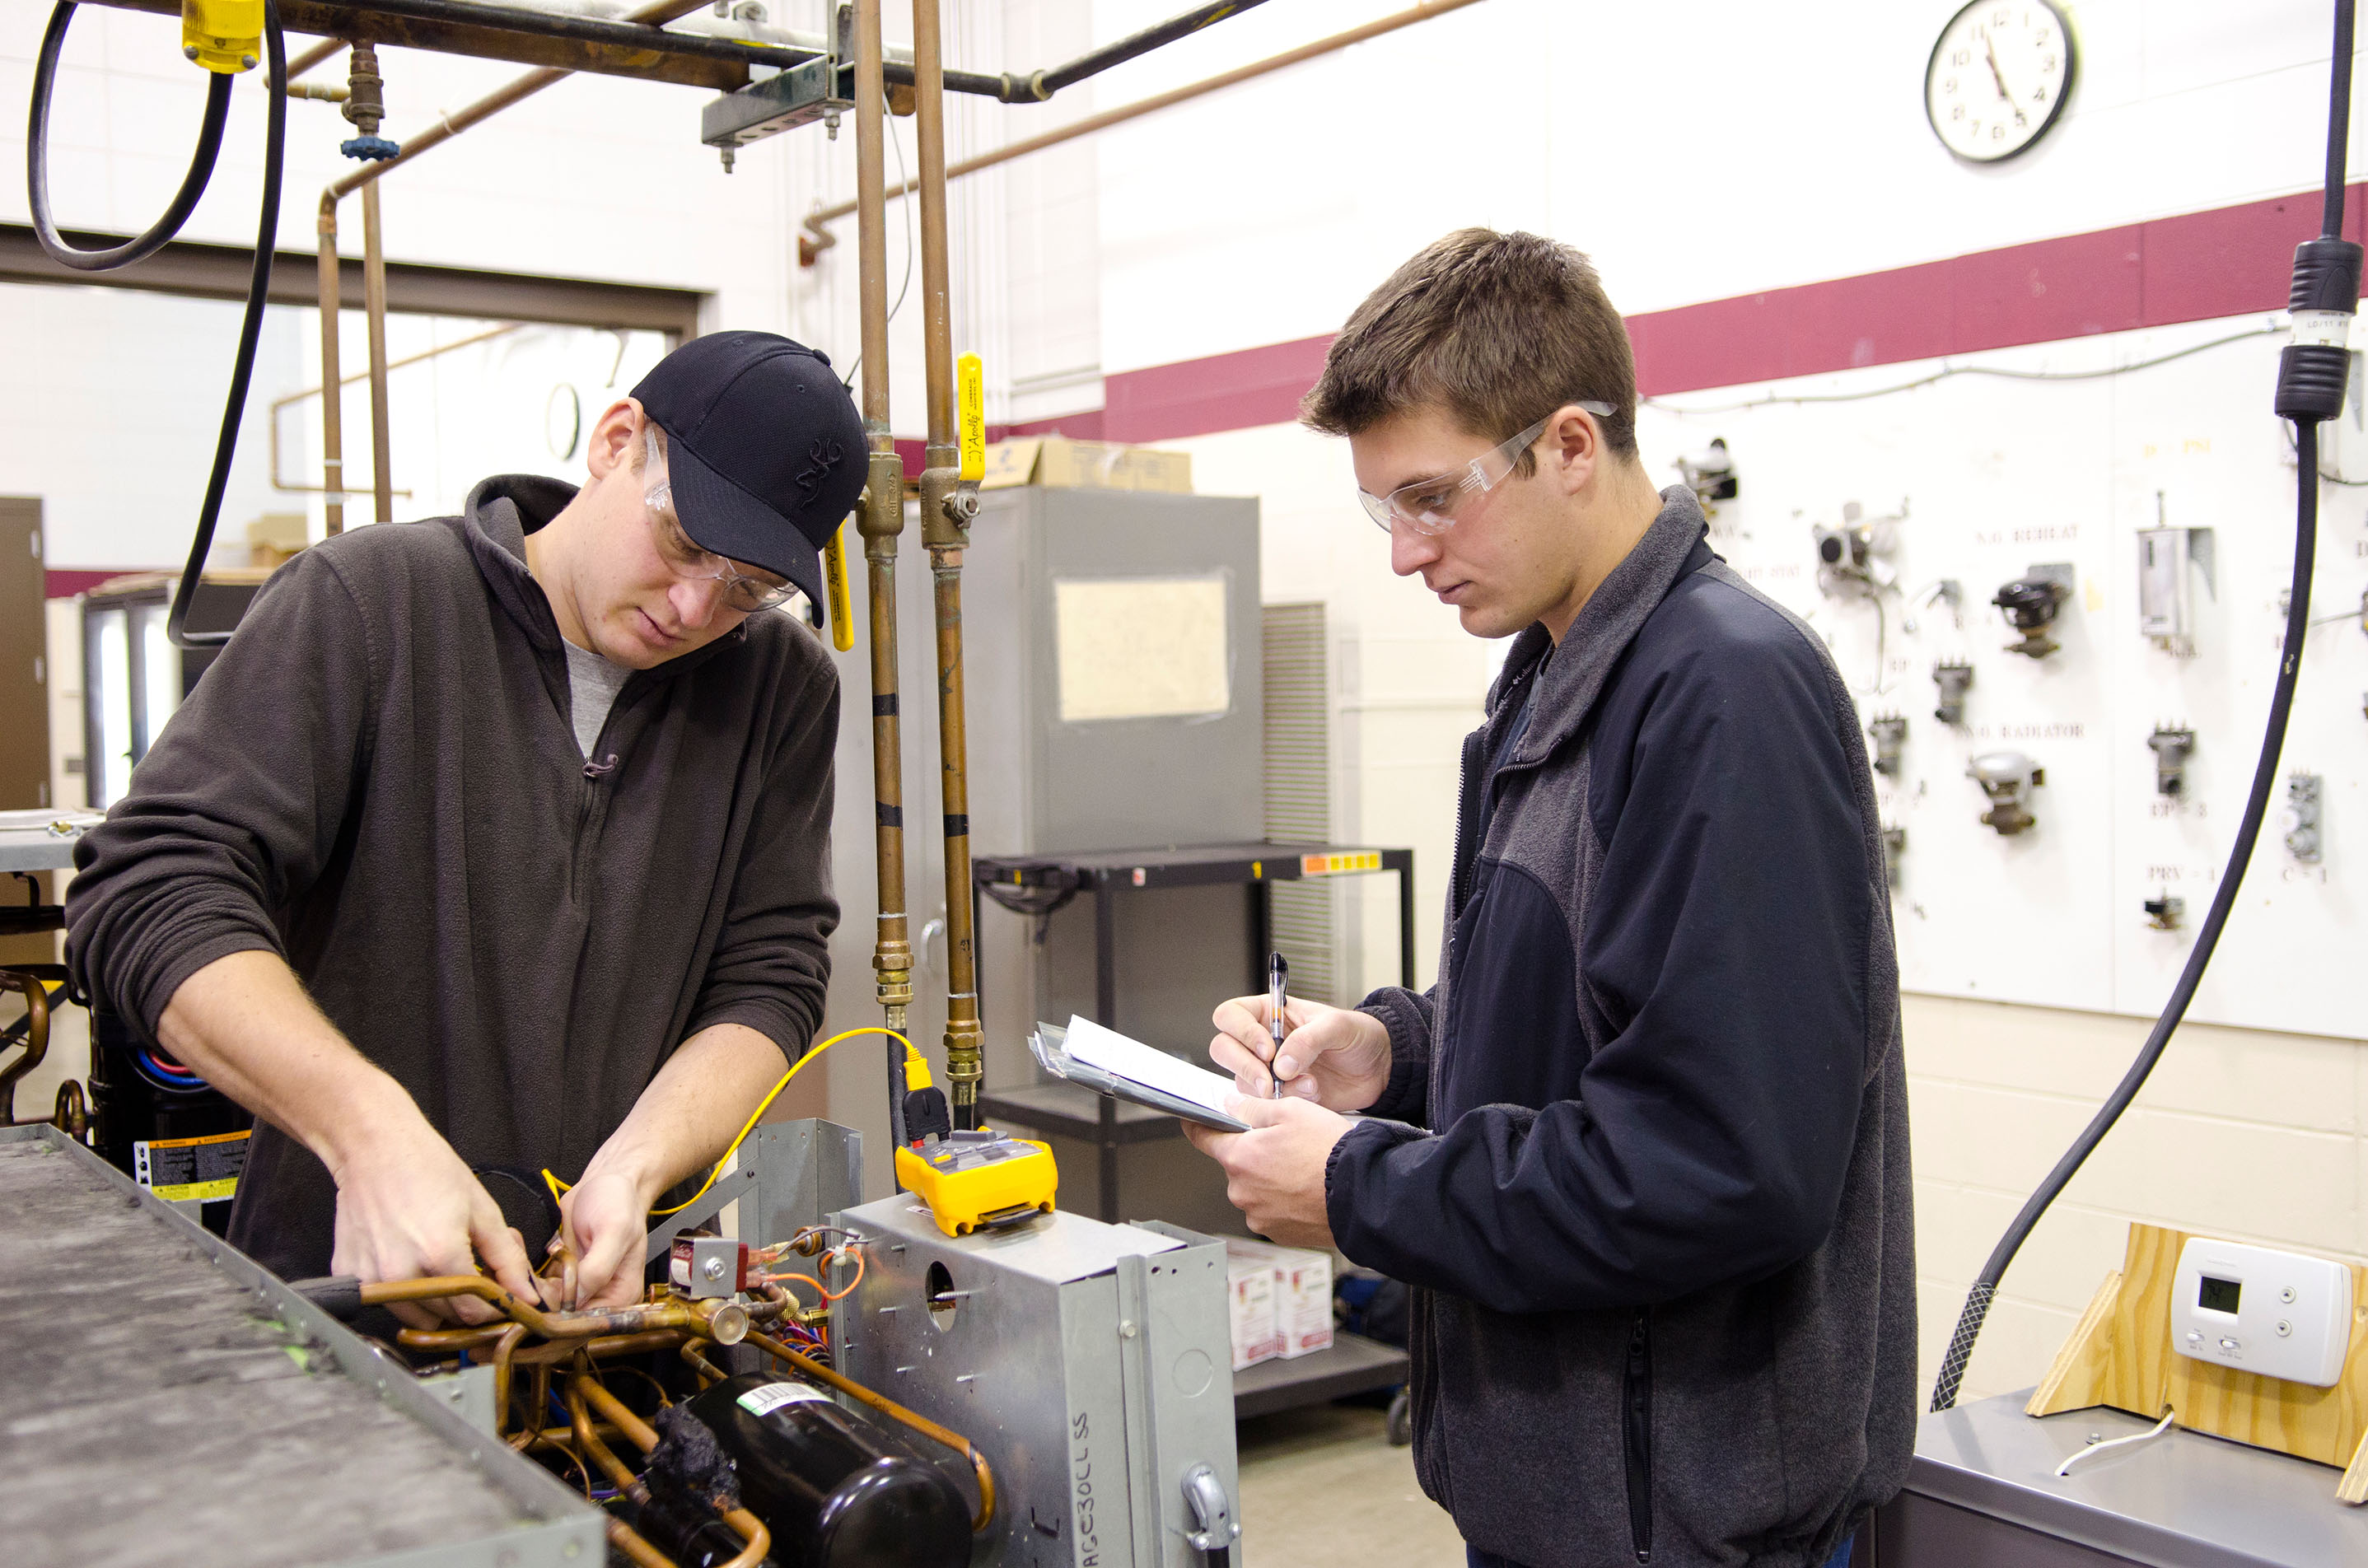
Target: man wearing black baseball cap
499 843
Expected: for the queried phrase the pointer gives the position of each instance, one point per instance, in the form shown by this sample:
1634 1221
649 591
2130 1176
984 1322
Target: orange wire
782 1279
850 1284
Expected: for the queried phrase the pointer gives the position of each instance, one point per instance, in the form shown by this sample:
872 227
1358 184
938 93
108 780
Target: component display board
2049 474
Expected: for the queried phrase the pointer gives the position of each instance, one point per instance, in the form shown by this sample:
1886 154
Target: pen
1277 998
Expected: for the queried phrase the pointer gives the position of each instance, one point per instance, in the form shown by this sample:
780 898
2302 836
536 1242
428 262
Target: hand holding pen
1277 998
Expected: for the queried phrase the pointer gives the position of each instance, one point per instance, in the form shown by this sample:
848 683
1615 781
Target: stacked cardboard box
1301 1290
1249 1295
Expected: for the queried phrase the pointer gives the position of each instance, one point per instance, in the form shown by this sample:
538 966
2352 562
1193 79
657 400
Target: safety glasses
1431 506
688 561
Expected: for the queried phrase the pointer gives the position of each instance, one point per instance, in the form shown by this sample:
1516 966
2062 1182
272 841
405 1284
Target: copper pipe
655 13
618 1472
503 1349
451 1338
315 56
942 1436
374 308
329 412
750 1528
332 412
880 522
700 1364
633 1544
647 1317
365 179
947 507
28 985
821 238
598 1348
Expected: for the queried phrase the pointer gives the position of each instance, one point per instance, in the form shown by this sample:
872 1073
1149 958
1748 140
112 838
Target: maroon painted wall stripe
2195 266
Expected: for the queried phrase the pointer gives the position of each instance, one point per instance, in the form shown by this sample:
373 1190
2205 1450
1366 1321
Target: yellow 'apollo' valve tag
969 377
835 585
223 36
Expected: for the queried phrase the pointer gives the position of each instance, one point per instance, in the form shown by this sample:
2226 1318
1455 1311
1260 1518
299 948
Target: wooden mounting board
2120 1356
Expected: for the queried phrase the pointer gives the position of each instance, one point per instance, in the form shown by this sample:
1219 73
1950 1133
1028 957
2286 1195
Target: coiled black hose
193 185
36 164
2311 380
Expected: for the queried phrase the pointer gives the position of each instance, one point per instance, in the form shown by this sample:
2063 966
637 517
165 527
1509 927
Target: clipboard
1047 1043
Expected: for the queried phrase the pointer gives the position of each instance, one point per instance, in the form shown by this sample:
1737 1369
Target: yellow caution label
179 1169
970 382
1336 865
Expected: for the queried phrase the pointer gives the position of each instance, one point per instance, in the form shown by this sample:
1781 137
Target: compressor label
772 1396
179 1169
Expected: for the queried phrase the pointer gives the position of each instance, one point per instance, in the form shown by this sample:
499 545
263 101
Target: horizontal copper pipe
1119 116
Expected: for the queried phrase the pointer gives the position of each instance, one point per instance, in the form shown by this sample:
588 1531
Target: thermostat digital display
2219 1295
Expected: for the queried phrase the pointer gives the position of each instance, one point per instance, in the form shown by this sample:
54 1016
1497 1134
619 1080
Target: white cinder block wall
1698 151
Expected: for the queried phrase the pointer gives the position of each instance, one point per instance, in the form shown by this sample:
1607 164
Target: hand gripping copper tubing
881 521
947 507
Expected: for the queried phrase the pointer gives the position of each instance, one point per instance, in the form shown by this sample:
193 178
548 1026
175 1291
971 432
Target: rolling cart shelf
1353 1364
1069 1111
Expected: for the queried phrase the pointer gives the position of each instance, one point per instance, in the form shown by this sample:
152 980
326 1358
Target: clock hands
1998 76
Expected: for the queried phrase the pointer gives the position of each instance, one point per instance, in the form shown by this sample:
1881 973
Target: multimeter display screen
2218 1295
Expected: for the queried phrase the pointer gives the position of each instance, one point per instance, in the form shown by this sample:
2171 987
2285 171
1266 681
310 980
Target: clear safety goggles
1431 506
686 560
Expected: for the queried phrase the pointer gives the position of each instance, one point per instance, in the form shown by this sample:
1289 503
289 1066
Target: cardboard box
1303 1293
1249 1298
1064 464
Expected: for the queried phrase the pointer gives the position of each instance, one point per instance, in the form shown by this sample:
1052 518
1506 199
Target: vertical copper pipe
333 413
946 510
882 521
374 306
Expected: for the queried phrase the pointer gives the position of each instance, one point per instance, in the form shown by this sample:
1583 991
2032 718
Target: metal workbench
1983 1493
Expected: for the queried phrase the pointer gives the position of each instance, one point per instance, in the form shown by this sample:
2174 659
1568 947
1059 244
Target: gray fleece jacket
378 780
1644 1150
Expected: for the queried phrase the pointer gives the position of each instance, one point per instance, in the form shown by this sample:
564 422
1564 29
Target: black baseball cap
765 450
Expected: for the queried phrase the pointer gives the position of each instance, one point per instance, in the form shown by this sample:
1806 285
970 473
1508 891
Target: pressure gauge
1998 77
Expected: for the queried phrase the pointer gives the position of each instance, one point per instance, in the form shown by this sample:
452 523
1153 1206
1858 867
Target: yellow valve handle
970 378
223 36
841 596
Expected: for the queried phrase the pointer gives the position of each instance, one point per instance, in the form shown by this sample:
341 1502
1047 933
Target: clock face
1998 77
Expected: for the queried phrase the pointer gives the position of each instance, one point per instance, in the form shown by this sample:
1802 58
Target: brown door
24 658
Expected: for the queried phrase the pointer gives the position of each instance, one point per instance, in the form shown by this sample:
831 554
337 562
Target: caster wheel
1401 1419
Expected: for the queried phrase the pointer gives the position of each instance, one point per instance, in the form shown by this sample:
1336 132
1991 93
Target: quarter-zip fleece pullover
1644 1148
378 780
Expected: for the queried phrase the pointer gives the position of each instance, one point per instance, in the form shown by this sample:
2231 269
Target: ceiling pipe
816 238
365 178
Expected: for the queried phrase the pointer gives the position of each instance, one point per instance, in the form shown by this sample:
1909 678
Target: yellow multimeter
978 1180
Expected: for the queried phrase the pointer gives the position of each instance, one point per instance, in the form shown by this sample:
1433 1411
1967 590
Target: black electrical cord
36 164
250 329
2311 380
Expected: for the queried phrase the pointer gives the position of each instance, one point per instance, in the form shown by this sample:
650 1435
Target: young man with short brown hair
1642 1151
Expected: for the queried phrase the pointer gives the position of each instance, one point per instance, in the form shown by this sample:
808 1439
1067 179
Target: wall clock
1998 77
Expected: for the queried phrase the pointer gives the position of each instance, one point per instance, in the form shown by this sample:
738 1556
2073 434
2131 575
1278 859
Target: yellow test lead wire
917 1076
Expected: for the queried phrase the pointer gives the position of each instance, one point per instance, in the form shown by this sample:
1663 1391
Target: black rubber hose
2249 829
36 164
250 328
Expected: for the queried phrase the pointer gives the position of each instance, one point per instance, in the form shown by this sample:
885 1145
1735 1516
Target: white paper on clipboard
1103 1059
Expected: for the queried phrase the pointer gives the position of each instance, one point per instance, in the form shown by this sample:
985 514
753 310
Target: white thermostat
2277 1314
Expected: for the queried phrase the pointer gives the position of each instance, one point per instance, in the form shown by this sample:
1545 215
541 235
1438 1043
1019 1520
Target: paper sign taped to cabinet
1142 647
